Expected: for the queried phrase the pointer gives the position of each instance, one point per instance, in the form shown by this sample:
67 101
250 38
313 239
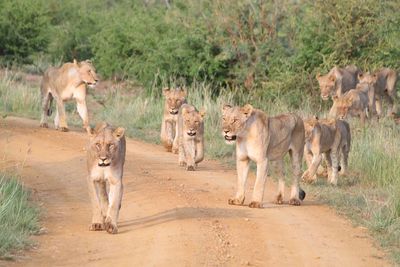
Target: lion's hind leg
297 194
281 181
46 109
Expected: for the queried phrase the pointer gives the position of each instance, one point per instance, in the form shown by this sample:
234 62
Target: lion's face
105 143
87 73
192 121
367 78
343 106
174 99
326 85
234 121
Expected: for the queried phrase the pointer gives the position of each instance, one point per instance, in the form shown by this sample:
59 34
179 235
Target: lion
330 137
338 81
384 83
174 99
264 139
190 136
354 103
105 163
64 83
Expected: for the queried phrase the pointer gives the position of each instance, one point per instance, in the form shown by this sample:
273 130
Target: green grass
369 195
18 217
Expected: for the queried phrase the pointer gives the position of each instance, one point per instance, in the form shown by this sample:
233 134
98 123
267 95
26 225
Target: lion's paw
256 204
235 201
279 199
44 125
182 163
190 168
295 202
110 227
63 129
96 227
174 150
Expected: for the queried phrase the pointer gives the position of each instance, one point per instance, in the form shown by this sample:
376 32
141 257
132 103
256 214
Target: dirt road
169 217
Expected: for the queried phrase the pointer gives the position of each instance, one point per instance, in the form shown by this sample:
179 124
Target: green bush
24 27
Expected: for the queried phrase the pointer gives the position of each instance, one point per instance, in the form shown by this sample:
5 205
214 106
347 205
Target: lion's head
342 106
87 72
368 78
234 121
326 84
192 121
174 99
106 143
309 125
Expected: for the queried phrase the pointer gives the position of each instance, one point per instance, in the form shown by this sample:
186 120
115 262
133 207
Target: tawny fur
63 84
383 82
338 81
354 103
263 139
331 138
174 99
190 136
105 163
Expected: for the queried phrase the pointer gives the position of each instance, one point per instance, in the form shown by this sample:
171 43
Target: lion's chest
72 91
101 173
250 148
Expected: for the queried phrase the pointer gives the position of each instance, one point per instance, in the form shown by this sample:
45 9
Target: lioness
330 137
190 136
338 81
64 83
263 139
169 128
353 103
105 163
384 84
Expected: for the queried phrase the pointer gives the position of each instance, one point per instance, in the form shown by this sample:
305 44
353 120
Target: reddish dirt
169 217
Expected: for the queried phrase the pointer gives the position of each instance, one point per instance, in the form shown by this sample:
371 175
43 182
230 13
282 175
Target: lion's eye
112 146
223 119
196 122
98 146
178 101
235 120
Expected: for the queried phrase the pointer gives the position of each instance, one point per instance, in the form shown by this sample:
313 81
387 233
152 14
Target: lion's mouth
174 112
191 133
324 97
230 138
104 164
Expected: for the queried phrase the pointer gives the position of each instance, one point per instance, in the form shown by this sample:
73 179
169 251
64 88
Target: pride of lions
258 137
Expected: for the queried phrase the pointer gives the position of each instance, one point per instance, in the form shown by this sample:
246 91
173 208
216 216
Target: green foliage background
267 49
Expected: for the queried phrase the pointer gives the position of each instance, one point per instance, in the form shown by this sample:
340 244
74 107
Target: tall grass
18 218
369 194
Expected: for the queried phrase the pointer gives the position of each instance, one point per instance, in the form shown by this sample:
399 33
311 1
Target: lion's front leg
97 217
60 119
166 134
242 169
189 152
174 137
83 113
310 174
258 193
114 198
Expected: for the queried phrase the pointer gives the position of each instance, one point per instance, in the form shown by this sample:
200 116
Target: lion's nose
103 158
226 131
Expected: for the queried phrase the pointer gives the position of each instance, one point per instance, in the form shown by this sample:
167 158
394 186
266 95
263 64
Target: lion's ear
202 113
360 76
335 98
332 78
375 77
183 91
247 109
316 117
349 101
226 107
75 62
119 132
166 91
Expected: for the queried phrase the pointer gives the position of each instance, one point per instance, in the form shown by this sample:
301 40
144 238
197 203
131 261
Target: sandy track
169 217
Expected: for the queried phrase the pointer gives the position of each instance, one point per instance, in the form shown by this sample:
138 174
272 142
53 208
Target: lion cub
174 99
354 103
190 136
105 163
263 140
330 137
